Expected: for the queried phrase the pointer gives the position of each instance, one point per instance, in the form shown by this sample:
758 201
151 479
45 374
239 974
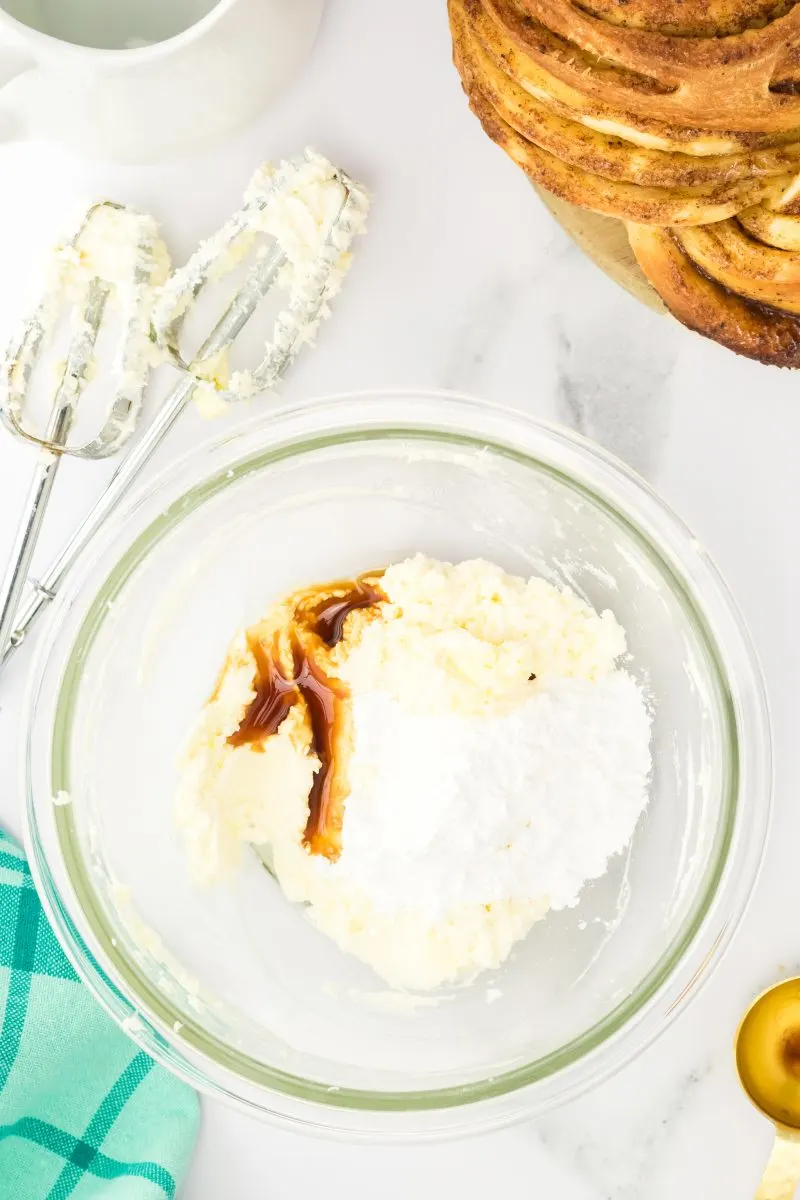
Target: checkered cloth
83 1112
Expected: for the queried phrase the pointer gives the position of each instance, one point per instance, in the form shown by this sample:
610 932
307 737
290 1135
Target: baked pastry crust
748 327
669 61
619 198
682 118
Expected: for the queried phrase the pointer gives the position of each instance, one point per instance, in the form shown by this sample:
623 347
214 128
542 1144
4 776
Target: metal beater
115 255
312 211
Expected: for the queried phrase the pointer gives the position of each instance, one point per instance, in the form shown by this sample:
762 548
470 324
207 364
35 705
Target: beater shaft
41 486
30 526
257 284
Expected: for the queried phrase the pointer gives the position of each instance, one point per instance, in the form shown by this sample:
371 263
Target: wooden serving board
605 241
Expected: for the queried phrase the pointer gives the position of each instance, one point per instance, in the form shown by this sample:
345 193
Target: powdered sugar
449 810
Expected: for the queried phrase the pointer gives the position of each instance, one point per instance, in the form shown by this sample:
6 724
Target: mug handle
13 63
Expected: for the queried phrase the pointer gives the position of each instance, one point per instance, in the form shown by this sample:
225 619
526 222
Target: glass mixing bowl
231 987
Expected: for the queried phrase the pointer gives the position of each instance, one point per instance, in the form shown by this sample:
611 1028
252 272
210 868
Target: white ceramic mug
136 80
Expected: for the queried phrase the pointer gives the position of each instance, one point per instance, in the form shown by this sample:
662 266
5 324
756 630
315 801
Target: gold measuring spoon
768 1062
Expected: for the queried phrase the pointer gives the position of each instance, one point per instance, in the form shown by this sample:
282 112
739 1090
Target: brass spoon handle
783 1169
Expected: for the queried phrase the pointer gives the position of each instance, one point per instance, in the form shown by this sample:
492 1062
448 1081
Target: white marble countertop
465 282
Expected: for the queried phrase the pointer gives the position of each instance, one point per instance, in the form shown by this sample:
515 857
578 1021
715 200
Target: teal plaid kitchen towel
83 1112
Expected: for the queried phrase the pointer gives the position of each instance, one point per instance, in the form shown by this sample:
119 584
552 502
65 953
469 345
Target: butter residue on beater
123 249
313 212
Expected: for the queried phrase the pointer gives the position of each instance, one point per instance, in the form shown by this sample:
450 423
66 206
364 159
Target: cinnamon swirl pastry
729 285
680 117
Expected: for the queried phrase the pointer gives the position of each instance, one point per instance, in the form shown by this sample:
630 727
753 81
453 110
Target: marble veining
601 366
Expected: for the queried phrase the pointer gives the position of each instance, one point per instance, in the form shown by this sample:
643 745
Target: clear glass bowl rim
641 1017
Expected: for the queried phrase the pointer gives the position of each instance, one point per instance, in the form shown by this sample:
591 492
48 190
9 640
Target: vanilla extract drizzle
318 621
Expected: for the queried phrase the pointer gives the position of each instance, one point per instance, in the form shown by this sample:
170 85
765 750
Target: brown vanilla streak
319 620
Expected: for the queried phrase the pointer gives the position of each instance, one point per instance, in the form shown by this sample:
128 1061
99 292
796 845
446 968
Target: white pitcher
140 79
